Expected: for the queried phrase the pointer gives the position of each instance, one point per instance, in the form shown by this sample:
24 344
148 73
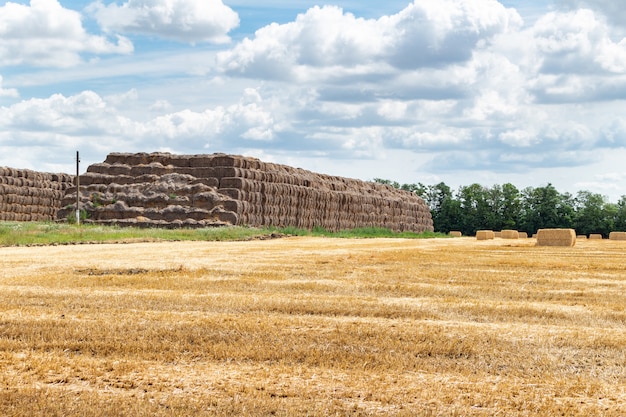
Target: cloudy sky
523 91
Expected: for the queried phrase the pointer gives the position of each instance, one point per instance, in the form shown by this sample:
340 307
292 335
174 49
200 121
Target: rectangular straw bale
485 235
595 236
617 236
523 235
556 237
510 234
455 233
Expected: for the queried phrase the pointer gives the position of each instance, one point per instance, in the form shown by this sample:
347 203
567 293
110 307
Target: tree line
500 207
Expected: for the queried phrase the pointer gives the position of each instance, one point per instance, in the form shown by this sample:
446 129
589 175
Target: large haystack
27 195
168 190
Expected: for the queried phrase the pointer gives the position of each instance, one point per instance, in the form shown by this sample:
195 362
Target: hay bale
485 235
455 234
581 237
556 237
498 234
523 235
595 236
617 236
510 234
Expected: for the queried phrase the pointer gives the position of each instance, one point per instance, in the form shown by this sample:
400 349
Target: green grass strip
50 233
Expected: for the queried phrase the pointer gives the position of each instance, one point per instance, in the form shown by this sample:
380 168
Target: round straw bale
595 236
455 233
485 235
523 235
510 234
617 236
556 237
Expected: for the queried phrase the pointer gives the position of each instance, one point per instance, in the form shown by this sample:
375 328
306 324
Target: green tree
510 208
476 211
545 207
592 214
620 215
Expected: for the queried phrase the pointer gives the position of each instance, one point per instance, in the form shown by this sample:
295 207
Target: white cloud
426 34
181 20
612 10
8 92
44 33
577 42
577 58
61 120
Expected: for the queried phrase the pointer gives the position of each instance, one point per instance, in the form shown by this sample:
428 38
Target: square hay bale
617 236
456 234
595 236
523 235
556 237
510 234
485 235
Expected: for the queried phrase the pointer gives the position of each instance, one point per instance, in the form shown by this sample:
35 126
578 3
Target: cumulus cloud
44 33
612 10
326 40
7 92
181 20
88 115
578 59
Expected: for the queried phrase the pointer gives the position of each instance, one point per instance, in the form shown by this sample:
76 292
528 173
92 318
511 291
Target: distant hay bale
485 235
595 236
581 237
523 235
456 234
556 237
617 236
498 234
510 234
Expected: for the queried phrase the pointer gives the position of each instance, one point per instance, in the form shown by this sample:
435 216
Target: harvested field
313 326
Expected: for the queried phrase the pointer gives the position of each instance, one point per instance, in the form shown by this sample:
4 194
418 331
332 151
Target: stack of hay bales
617 236
556 237
27 195
161 188
485 235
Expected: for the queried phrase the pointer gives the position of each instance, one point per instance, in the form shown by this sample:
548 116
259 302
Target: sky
461 91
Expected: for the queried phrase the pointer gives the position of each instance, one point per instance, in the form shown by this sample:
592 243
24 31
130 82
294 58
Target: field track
314 326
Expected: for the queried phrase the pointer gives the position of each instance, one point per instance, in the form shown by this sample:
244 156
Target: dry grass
313 326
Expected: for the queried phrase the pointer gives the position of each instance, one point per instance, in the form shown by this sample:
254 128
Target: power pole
77 190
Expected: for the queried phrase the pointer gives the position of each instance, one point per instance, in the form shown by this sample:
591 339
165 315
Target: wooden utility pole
77 189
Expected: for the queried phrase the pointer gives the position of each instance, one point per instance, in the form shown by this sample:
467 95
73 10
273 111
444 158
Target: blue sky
459 91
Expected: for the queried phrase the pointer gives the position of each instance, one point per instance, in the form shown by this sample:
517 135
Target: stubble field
314 326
